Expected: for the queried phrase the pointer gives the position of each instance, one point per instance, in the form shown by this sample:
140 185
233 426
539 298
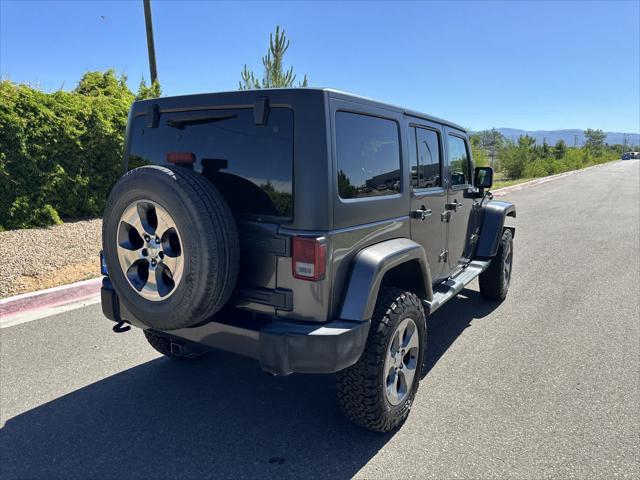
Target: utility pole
150 45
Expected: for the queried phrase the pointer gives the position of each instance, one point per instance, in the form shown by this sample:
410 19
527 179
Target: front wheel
378 391
495 280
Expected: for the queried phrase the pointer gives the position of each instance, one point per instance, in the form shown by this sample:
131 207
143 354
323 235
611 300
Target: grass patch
507 183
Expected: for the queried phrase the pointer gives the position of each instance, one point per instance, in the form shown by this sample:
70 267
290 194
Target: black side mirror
483 178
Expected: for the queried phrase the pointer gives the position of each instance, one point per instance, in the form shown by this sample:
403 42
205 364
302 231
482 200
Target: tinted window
458 161
251 164
428 158
368 155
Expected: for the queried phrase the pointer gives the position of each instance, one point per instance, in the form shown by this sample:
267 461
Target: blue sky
529 65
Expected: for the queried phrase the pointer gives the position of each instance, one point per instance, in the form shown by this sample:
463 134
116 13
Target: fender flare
369 268
495 213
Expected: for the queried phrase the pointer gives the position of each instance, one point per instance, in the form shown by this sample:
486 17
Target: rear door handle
421 214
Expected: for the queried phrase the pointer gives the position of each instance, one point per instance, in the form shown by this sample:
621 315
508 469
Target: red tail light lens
181 158
309 258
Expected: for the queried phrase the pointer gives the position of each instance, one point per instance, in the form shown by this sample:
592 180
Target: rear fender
369 268
495 213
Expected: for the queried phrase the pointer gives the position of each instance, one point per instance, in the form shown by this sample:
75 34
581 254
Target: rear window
368 154
252 165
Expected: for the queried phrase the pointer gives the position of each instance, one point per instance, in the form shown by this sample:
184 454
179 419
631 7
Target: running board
452 286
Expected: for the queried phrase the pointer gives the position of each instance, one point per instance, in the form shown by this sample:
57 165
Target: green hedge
61 152
530 161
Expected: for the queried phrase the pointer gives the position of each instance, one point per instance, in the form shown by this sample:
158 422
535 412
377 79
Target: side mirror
483 178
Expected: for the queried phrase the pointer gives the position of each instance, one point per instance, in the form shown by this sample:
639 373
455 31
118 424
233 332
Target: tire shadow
219 416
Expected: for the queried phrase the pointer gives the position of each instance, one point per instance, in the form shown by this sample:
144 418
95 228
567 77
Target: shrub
61 152
525 160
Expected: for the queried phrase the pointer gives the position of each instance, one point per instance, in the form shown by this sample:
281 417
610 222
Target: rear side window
458 161
368 151
425 158
252 165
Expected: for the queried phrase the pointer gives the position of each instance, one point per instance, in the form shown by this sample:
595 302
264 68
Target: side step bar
452 286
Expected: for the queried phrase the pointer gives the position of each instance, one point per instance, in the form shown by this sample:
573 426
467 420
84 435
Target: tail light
178 158
309 258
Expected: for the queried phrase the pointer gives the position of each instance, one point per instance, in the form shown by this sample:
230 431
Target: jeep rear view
309 229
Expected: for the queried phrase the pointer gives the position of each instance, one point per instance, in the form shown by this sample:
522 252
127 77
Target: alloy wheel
508 260
150 250
401 361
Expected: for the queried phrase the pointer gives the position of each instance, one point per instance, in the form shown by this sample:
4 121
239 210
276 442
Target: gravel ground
39 258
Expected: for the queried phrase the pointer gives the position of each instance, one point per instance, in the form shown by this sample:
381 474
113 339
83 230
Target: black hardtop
277 96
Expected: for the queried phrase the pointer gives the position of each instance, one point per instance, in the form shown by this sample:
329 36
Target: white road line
17 319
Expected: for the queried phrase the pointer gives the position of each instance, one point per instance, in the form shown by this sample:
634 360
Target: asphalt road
544 385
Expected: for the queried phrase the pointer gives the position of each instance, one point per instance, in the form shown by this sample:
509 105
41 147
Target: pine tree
274 74
152 91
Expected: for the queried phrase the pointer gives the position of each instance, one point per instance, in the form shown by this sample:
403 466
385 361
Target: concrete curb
49 298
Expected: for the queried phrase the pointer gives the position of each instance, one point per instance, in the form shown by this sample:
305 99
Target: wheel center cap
153 249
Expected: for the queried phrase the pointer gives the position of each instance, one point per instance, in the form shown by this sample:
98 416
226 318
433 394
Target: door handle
453 206
421 214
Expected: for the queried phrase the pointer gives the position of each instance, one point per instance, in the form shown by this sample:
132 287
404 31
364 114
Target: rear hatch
247 152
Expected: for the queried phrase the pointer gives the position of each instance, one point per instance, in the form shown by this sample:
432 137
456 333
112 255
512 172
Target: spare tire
171 246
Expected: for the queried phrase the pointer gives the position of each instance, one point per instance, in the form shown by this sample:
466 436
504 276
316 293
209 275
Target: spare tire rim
401 361
150 250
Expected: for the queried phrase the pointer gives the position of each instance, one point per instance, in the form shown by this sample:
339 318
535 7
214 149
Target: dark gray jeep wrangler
310 229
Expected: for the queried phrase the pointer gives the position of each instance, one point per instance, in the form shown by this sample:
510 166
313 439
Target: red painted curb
51 297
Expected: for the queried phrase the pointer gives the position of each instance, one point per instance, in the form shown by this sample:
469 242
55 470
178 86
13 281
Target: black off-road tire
182 350
361 387
495 280
209 244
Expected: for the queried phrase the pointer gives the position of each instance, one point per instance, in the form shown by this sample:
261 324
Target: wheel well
407 276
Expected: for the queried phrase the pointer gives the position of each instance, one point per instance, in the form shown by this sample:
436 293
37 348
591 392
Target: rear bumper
281 347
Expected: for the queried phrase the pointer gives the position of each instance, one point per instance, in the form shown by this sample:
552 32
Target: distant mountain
569 136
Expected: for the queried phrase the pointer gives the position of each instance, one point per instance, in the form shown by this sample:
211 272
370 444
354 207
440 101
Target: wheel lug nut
145 252
147 238
158 240
153 263
161 254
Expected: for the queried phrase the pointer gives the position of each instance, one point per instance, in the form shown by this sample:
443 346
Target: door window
458 161
424 158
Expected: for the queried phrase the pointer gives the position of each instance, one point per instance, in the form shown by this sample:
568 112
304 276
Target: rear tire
371 392
495 280
182 350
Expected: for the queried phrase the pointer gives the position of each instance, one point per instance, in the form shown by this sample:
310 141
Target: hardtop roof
332 93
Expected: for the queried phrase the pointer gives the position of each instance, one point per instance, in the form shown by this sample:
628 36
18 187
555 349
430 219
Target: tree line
525 158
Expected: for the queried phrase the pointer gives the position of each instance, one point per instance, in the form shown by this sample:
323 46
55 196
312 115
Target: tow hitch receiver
177 349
